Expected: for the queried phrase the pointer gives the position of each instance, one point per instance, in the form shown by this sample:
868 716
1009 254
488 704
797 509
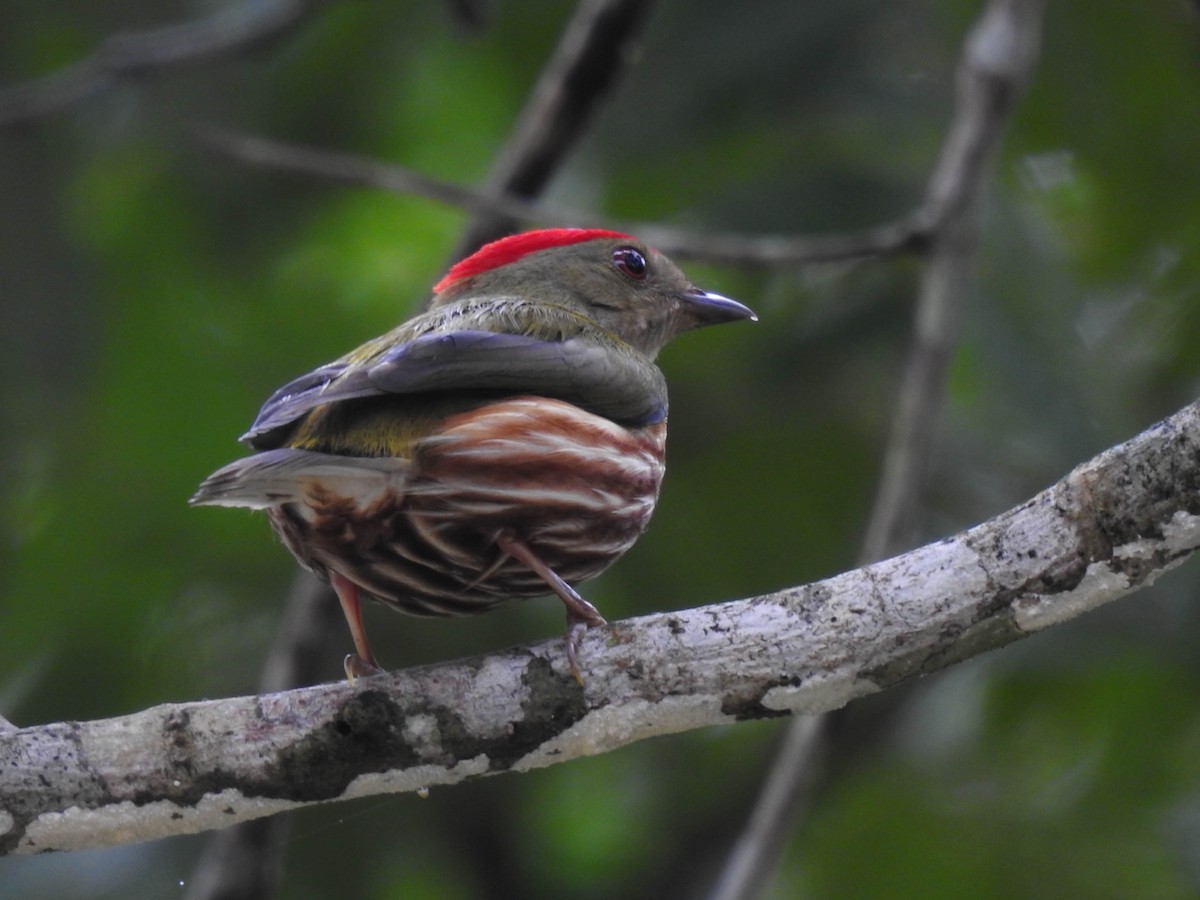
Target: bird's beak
712 309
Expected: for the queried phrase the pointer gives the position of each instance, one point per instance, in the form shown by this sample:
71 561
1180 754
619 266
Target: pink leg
362 663
581 615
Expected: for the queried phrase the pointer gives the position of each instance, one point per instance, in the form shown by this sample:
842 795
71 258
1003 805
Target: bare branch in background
1000 55
784 794
234 28
907 233
346 168
1107 529
594 51
597 47
979 122
998 60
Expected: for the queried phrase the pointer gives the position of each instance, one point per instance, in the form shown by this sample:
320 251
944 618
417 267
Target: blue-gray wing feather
598 376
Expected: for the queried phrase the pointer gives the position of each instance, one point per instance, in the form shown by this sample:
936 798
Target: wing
334 381
590 369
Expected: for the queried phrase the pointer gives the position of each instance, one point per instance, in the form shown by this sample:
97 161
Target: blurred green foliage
154 294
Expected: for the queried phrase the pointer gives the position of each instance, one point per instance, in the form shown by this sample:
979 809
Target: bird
506 443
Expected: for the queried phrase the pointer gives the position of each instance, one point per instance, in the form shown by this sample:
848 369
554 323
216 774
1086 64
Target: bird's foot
581 615
576 626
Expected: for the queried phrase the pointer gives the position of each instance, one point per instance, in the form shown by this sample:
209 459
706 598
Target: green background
153 294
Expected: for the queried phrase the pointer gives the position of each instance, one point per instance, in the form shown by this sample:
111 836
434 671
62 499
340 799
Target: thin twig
997 63
597 47
904 234
346 168
783 795
234 28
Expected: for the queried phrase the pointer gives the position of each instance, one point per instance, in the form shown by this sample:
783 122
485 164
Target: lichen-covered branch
1108 528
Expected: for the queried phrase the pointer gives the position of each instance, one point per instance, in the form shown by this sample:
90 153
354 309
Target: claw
356 667
574 638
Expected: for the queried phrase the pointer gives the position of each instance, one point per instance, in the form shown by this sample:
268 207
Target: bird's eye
630 262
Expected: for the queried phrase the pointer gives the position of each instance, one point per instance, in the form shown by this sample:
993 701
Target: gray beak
713 309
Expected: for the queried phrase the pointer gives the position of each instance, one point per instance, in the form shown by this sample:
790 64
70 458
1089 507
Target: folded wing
590 370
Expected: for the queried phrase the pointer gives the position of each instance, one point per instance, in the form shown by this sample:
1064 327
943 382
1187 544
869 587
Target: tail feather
283 476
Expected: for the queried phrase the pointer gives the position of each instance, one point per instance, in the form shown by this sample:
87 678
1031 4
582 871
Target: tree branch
998 60
906 233
236 27
1107 529
986 95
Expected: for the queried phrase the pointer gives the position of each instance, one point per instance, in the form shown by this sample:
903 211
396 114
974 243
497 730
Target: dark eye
631 262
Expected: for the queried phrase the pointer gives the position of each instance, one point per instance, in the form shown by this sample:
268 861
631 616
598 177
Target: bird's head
630 290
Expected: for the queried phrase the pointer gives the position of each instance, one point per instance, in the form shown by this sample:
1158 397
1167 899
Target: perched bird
506 443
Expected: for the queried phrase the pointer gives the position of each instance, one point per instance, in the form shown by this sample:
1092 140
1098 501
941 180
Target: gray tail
283 476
